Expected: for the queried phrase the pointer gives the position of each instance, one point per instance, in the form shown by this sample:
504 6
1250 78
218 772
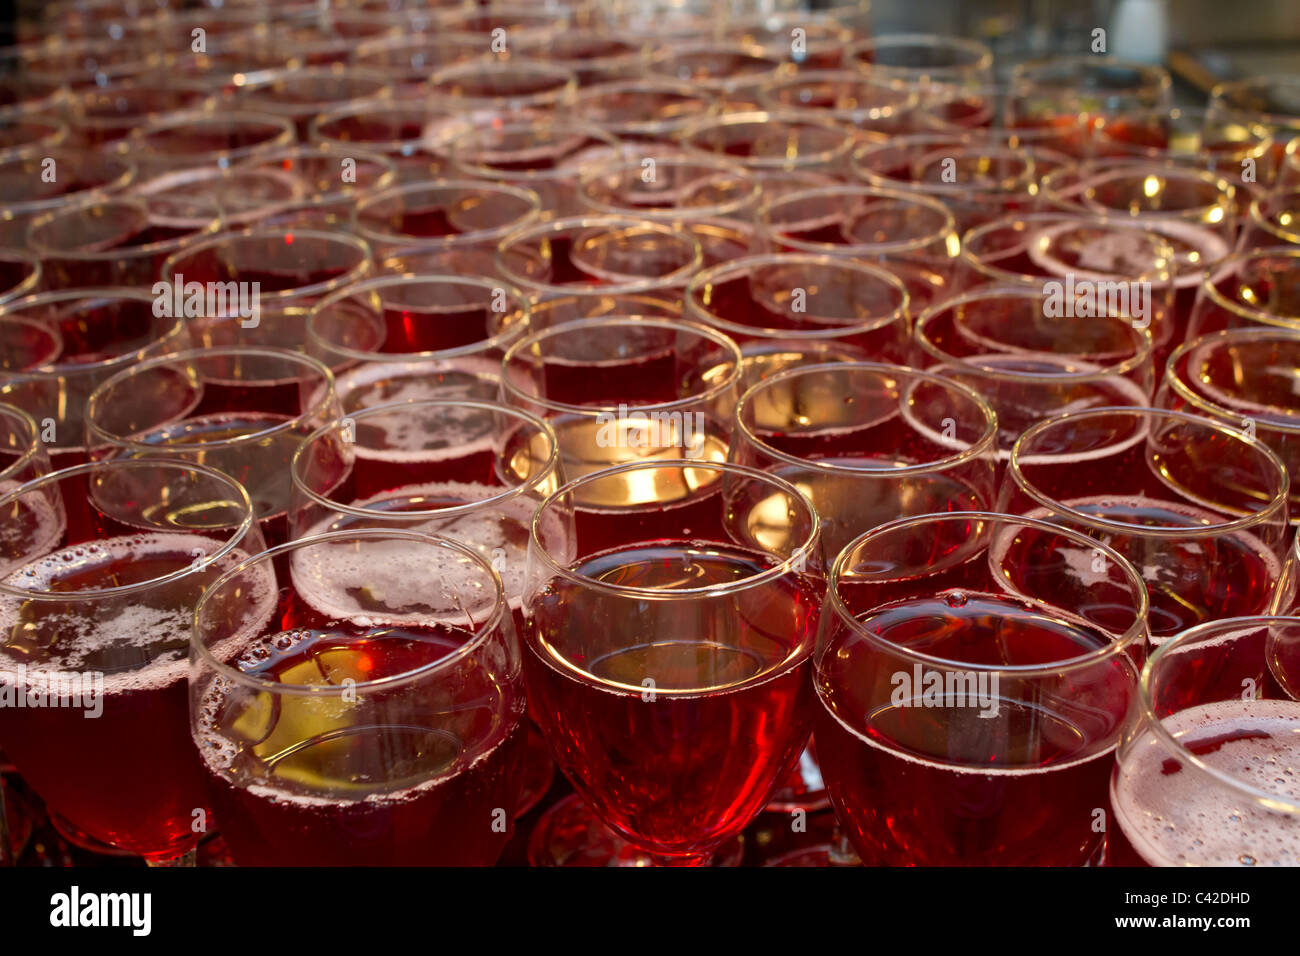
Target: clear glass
393 716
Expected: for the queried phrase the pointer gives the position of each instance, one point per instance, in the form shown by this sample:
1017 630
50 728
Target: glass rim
641 85
30 282
1228 266
487 171
1083 219
613 166
211 225
746 263
1168 742
256 233
383 281
1221 92
416 244
138 138
1269 512
418 145
945 234
1210 407
979 55
1110 169
761 118
19 306
564 89
965 141
124 178
329 151
508 493
1133 634
986 443
254 81
1032 72
799 556
544 228
766 93
34 446
714 391
321 396
1260 220
241 498
1143 351
481 636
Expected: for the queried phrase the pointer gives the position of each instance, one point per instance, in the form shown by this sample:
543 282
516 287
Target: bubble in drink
1172 814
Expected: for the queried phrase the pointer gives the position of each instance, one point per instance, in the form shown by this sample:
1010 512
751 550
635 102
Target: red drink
441 815
688 768
924 783
129 777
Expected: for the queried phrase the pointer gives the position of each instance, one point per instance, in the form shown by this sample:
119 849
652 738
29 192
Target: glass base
803 789
817 854
568 834
83 840
538 771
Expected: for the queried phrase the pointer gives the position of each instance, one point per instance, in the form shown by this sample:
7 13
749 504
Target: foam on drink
141 641
391 581
35 527
1173 815
499 531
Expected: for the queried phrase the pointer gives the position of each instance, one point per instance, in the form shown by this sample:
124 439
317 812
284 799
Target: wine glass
972 672
1238 377
241 409
792 141
642 110
1031 362
667 652
910 235
1202 775
22 459
277 273
1271 220
334 182
447 225
1249 289
119 240
98 610
339 723
410 134
204 138
1198 507
26 194
866 443
470 470
542 153
623 389
398 338
792 308
598 255
94 333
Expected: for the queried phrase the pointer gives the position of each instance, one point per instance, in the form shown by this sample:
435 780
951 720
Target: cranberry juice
329 790
681 764
921 781
130 776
